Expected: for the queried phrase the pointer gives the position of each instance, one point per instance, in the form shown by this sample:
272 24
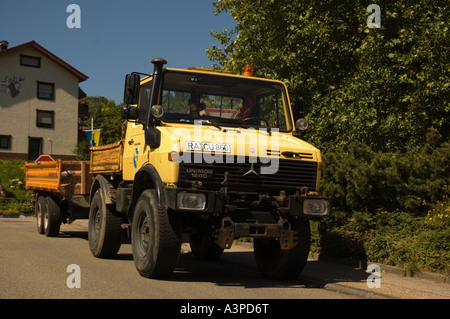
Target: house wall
18 114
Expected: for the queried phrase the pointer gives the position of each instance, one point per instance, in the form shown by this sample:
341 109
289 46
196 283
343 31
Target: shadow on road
238 268
74 234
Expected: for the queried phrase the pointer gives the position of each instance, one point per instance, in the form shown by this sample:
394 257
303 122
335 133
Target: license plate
208 147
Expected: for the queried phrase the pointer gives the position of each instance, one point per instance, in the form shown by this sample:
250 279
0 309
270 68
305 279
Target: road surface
34 266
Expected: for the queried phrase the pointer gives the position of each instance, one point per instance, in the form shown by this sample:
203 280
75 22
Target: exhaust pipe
152 135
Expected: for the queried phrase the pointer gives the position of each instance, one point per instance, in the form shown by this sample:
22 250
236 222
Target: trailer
60 193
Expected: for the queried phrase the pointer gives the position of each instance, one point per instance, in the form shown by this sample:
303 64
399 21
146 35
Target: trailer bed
68 178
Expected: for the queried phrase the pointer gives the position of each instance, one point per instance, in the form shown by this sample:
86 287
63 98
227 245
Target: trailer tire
105 228
155 237
278 264
39 212
52 217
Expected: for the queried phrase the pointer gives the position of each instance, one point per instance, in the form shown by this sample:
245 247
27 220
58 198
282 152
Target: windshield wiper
208 122
201 121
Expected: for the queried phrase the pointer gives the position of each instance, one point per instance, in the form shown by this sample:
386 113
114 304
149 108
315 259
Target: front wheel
155 237
105 229
278 264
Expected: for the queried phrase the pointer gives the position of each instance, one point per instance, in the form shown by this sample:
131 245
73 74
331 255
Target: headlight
301 124
191 201
157 111
316 207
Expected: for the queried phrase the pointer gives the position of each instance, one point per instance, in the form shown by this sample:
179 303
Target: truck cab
211 154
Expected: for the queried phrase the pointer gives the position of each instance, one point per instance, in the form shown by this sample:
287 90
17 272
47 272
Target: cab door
135 152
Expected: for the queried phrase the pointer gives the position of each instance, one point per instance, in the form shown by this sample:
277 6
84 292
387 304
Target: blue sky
116 36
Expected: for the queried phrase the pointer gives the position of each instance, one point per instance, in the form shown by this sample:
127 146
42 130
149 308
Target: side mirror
298 110
130 112
131 92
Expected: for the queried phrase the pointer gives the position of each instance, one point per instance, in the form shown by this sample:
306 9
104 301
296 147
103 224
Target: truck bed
65 177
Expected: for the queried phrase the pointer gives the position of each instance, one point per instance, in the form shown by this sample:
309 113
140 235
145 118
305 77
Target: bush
13 178
394 238
360 179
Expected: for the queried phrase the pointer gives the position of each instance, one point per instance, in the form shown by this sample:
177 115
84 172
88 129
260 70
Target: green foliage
13 178
106 116
392 238
360 179
13 182
82 151
384 87
12 206
378 104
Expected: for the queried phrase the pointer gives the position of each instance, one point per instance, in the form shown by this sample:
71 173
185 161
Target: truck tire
52 217
278 264
105 229
155 238
39 212
203 246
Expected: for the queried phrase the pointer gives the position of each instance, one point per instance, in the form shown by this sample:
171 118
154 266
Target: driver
196 109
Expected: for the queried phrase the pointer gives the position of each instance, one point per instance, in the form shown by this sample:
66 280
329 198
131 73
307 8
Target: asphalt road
34 266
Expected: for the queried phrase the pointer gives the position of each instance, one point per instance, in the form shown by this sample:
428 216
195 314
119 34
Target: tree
384 86
106 116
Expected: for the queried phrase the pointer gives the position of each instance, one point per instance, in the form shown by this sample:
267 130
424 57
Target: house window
5 142
45 118
33 61
46 90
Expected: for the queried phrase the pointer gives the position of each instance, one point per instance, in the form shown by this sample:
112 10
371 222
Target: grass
17 198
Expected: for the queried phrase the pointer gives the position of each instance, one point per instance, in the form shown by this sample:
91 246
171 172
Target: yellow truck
211 154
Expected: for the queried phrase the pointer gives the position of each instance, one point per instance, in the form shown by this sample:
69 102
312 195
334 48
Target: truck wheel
203 246
39 212
278 264
104 230
155 238
52 217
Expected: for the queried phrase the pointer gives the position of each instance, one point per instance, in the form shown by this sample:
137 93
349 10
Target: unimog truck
212 155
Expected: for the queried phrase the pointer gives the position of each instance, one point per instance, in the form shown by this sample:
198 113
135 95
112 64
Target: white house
39 97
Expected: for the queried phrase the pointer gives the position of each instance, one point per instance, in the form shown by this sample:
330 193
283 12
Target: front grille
290 175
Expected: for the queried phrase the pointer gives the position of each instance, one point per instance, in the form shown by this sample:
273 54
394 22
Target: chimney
3 45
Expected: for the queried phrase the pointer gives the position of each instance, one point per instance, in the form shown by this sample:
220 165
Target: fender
147 178
107 190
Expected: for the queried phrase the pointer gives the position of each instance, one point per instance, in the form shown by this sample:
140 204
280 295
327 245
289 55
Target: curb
362 264
345 289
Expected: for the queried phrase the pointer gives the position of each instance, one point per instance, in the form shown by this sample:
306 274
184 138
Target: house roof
32 44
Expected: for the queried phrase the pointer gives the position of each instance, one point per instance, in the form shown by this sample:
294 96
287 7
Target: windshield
223 100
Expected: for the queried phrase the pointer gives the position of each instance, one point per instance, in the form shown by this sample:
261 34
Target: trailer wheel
52 217
155 237
204 247
278 264
104 230
39 212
